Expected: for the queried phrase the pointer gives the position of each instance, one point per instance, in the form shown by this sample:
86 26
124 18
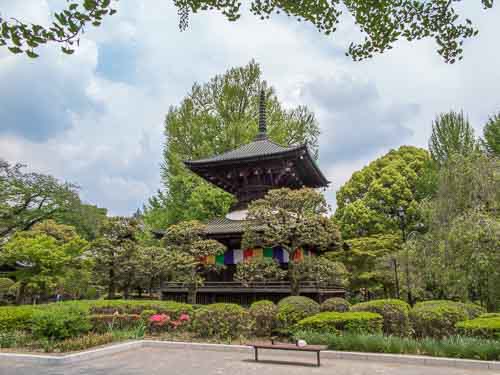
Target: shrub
171 308
334 322
59 322
437 318
453 347
16 318
224 321
80 343
394 311
295 308
490 315
264 314
108 322
473 310
483 327
336 304
12 339
146 314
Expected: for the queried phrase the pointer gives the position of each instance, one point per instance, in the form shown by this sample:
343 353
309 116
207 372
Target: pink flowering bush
163 322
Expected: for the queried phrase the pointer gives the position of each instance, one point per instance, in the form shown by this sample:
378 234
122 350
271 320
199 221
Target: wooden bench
307 348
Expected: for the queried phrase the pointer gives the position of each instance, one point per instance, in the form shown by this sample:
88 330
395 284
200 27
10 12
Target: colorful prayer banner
247 253
219 259
210 259
268 252
237 256
258 253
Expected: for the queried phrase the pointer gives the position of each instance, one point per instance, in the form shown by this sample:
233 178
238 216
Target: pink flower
159 319
184 318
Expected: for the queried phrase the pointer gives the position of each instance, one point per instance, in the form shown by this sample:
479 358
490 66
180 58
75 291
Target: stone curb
74 357
375 357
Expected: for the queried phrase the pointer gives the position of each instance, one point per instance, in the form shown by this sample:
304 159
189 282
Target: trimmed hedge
394 311
295 308
264 314
102 323
483 327
16 318
335 304
59 322
335 322
171 308
224 321
437 318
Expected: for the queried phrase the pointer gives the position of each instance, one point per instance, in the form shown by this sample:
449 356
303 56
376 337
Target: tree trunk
111 286
396 277
191 296
20 293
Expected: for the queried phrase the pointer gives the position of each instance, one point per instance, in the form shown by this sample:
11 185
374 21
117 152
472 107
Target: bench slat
307 348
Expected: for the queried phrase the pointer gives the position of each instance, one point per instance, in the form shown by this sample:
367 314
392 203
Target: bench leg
256 354
318 359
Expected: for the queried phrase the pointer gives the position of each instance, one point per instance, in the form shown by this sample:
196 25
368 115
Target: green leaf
31 54
15 50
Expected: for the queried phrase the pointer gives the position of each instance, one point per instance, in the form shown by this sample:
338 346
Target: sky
95 118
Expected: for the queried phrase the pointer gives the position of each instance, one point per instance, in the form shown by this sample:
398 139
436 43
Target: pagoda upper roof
260 148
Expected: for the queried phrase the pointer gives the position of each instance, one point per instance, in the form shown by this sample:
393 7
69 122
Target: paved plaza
168 361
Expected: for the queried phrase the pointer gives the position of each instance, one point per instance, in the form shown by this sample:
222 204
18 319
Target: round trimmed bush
394 311
335 304
264 314
349 322
487 327
295 308
224 321
437 318
59 322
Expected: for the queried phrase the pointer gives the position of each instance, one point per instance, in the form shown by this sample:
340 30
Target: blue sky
96 118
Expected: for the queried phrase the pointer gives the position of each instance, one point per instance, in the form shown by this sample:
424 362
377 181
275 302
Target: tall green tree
458 256
116 255
186 248
85 218
43 256
451 134
27 198
213 118
371 201
491 135
383 23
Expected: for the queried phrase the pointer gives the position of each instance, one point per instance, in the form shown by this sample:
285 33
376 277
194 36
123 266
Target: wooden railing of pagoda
245 294
264 286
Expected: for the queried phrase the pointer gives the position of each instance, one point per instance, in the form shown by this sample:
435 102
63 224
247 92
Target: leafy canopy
291 219
28 198
369 202
491 135
43 255
383 23
451 134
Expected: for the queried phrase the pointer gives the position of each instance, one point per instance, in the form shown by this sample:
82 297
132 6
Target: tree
29 198
372 264
115 255
85 218
213 118
187 247
451 134
154 265
383 23
42 256
458 256
370 201
491 135
291 219
258 269
320 270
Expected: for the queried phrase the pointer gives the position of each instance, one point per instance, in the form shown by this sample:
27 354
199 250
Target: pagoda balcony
245 294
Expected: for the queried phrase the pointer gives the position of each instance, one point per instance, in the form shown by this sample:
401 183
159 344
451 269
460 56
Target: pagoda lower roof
223 225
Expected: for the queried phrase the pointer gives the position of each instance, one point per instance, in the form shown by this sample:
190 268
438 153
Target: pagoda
248 173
